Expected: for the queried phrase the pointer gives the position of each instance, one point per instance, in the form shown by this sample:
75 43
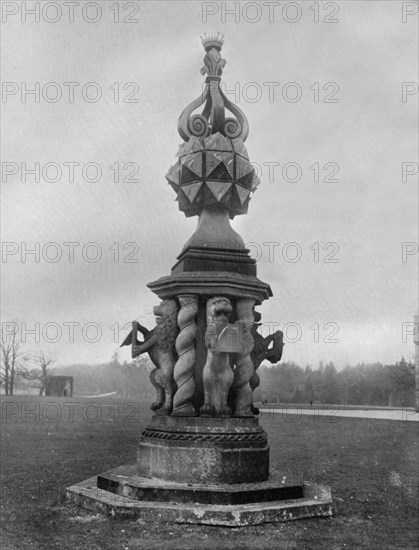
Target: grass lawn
371 465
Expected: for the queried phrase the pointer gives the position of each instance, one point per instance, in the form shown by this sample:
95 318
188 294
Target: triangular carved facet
240 148
220 173
219 189
255 181
192 190
194 164
173 175
183 149
243 193
247 181
213 159
188 176
194 144
243 167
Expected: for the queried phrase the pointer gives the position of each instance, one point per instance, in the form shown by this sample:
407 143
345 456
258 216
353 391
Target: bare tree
42 372
12 358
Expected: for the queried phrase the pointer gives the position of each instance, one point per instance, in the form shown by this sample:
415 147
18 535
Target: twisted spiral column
185 347
242 395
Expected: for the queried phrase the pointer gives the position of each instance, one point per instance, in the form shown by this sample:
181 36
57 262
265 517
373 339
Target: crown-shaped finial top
212 120
212 41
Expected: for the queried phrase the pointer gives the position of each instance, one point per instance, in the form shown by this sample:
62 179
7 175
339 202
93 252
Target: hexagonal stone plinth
123 494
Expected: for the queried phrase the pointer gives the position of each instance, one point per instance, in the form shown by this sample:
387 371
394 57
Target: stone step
124 481
315 502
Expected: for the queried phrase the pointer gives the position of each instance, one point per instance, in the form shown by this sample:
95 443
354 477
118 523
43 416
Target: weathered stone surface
186 351
212 283
315 502
200 465
124 481
206 425
215 258
204 450
160 345
241 396
262 351
217 375
214 232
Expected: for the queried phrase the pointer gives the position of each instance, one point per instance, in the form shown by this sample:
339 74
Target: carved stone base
204 450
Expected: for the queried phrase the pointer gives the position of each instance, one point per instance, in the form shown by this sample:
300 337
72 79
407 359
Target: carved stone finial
213 167
212 119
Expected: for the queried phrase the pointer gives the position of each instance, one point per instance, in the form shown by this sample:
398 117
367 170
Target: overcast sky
351 114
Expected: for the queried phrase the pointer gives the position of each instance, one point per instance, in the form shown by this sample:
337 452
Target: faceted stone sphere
204 450
210 171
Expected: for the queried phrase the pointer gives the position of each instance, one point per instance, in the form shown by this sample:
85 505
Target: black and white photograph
209 275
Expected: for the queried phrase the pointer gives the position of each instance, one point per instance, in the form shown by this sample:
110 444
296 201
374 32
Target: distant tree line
286 382
363 384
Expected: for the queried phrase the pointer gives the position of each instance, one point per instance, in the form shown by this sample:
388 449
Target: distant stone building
59 386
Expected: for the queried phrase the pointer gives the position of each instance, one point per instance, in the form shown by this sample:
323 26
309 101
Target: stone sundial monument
204 458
